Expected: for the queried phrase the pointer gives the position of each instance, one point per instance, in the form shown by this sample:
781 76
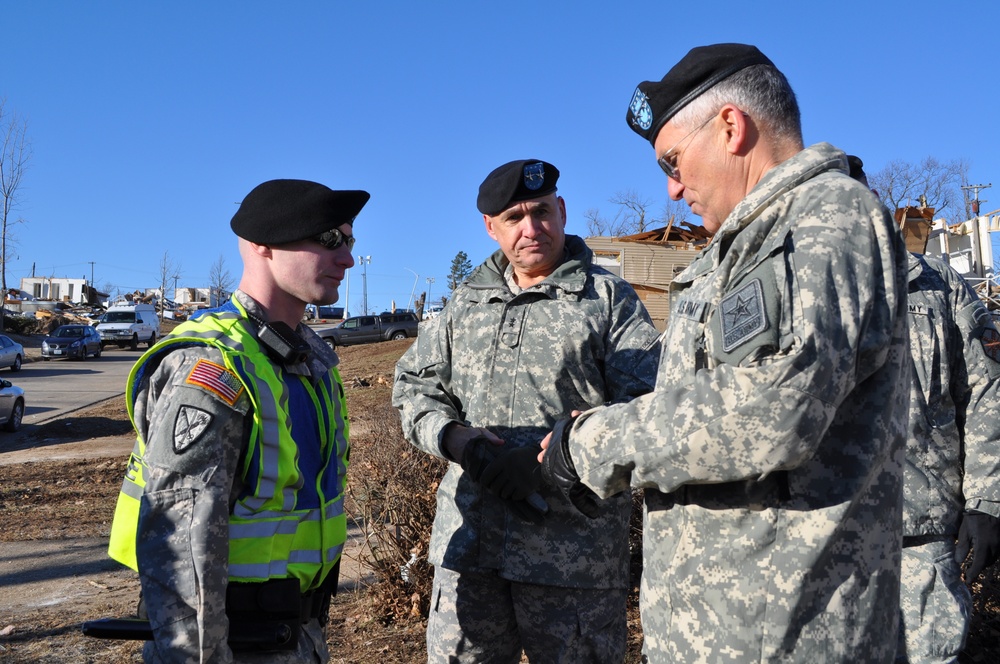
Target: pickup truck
368 329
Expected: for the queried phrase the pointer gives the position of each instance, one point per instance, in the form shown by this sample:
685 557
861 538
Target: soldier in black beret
769 449
537 331
246 380
283 211
525 216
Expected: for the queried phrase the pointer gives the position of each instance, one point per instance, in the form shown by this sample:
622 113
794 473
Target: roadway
58 387
53 389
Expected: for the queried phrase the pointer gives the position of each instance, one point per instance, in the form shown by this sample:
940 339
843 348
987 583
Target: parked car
11 406
11 353
433 311
367 329
72 341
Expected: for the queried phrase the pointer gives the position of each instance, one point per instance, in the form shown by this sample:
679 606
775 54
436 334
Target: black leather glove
981 533
477 455
514 474
480 460
558 471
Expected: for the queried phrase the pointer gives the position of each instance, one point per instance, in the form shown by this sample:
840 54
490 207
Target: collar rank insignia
743 315
217 379
191 422
534 176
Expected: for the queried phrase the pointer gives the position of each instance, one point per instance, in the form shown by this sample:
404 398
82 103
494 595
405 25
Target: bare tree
169 269
111 291
15 153
930 183
633 215
220 281
675 212
596 224
632 212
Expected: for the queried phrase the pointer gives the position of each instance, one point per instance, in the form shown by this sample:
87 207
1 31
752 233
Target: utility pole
347 294
975 195
416 278
365 261
430 282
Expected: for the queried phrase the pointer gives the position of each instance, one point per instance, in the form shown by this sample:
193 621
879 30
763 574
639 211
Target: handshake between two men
515 474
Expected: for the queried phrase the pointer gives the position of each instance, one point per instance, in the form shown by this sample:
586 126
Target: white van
128 324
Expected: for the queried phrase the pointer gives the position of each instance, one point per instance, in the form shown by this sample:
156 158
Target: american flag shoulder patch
216 379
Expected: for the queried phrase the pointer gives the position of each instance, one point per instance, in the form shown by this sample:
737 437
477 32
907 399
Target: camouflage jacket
953 446
516 364
771 449
192 482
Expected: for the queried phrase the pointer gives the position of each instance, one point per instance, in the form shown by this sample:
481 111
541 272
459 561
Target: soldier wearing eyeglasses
771 449
232 506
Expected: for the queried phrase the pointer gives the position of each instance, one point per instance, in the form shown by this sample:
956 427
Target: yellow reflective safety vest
289 519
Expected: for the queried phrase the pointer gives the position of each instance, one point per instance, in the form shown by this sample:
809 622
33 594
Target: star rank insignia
743 315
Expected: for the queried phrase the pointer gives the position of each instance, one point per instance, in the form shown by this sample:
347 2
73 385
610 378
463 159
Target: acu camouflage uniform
771 450
515 364
952 454
192 478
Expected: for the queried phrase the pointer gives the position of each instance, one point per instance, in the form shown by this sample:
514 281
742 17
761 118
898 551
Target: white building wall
61 289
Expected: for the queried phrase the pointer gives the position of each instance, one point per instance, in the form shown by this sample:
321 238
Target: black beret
520 180
857 167
281 211
655 102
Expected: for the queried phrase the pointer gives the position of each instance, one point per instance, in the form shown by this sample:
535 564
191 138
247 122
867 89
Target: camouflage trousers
482 618
311 650
934 604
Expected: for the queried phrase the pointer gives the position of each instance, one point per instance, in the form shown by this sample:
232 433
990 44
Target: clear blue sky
150 121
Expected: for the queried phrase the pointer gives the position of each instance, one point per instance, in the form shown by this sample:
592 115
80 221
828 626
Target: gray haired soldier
771 449
951 481
536 332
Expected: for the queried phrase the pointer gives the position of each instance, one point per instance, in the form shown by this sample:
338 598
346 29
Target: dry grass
391 500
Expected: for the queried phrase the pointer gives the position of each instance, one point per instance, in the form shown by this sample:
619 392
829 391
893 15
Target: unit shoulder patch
991 343
217 379
190 423
743 315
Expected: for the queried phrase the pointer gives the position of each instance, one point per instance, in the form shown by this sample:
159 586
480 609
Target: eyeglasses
334 238
668 162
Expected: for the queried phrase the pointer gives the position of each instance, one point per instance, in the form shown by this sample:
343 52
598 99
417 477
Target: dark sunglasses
334 238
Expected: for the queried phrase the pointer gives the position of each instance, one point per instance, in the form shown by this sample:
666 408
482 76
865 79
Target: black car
73 341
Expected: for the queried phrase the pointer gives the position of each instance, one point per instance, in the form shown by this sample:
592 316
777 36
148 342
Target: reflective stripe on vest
271 534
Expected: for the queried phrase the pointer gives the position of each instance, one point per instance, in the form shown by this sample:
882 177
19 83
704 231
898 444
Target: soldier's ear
488 221
262 250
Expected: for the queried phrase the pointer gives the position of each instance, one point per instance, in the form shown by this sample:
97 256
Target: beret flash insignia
534 176
642 114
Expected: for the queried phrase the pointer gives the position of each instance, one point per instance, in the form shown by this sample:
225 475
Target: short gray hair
761 91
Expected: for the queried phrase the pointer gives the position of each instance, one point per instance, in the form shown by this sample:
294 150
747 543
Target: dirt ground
58 486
